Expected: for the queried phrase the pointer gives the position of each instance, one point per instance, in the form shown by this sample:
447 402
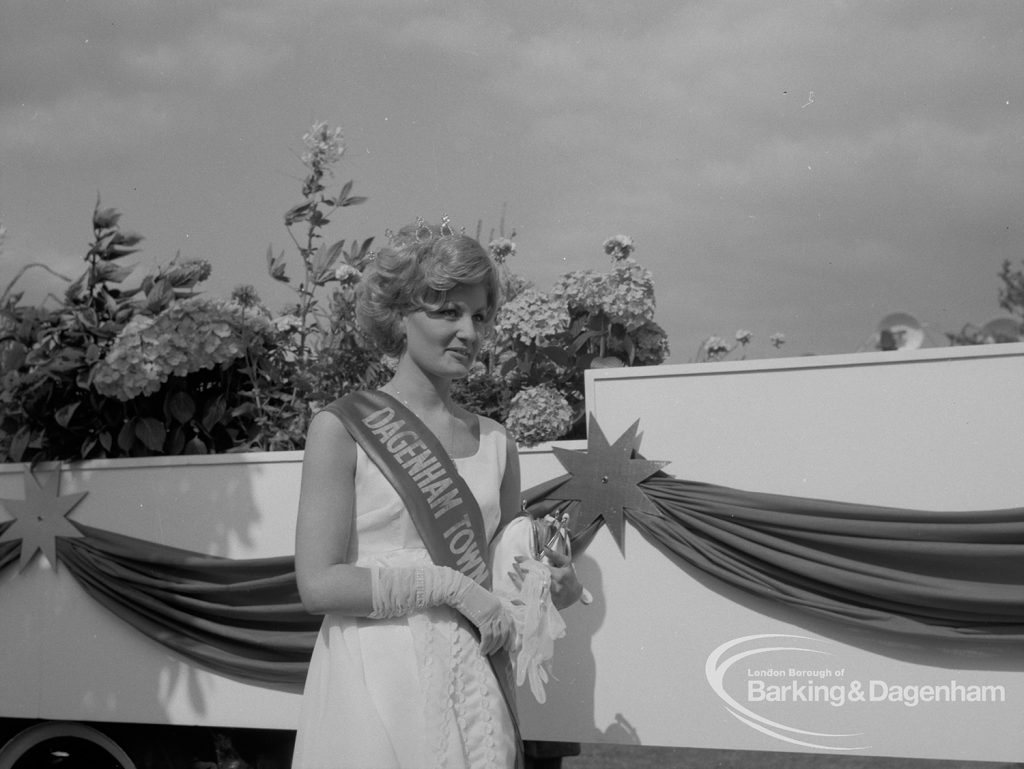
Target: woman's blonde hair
423 263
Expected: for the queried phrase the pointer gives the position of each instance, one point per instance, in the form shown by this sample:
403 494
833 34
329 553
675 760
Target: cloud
102 81
687 125
469 32
91 121
212 59
224 49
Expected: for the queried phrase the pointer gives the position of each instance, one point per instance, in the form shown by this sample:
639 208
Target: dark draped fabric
241 618
934 574
9 551
939 574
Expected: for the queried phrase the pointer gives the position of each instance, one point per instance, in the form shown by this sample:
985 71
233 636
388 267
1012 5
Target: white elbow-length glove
397 591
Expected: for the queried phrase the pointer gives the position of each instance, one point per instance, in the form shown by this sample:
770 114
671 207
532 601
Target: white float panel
932 429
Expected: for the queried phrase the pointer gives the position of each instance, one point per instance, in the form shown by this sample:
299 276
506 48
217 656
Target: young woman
407 667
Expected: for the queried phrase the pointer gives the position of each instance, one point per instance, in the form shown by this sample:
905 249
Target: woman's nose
467 328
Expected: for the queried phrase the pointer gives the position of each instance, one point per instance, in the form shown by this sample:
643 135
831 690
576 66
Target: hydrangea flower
716 347
347 274
625 295
743 336
246 296
538 414
629 297
651 344
512 285
501 249
777 339
619 247
288 323
188 273
532 317
193 334
582 289
131 366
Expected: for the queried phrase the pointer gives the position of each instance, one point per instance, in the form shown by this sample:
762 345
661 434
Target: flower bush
160 368
715 348
589 319
532 316
538 414
197 333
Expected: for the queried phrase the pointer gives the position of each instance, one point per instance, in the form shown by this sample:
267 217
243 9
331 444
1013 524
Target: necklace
449 445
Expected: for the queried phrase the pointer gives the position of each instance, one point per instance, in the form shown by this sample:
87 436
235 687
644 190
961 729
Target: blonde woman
402 491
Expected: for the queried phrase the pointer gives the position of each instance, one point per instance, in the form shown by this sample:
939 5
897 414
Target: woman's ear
400 330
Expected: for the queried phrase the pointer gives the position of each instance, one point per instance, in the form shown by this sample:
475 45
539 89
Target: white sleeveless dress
412 692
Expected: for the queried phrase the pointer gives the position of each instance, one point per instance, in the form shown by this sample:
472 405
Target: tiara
424 233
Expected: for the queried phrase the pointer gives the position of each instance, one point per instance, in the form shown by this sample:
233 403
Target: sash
442 506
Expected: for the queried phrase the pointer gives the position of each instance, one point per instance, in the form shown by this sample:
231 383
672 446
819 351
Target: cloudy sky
794 167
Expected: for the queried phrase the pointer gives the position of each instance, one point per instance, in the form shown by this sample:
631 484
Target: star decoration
40 518
604 479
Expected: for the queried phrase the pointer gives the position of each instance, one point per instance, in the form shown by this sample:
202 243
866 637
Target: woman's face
445 342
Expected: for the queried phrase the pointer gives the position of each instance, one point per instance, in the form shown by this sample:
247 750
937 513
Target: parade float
815 554
808 555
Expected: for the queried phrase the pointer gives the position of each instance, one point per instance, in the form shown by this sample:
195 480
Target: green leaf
333 253
276 265
558 355
126 238
151 432
298 213
12 356
213 413
353 201
243 410
181 407
66 360
85 452
508 366
195 446
324 261
630 345
108 272
159 296
176 442
19 443
63 415
126 437
581 341
74 291
104 219
110 253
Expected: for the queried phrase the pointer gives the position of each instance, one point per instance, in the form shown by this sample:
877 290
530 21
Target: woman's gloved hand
485 610
398 591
